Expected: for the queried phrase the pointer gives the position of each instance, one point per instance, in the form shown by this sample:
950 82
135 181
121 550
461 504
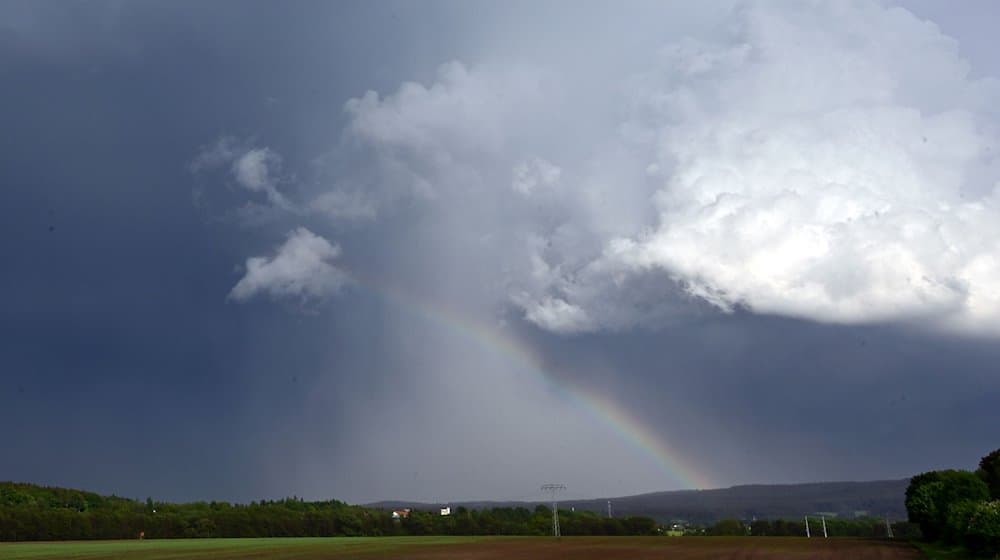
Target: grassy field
481 548
941 552
304 548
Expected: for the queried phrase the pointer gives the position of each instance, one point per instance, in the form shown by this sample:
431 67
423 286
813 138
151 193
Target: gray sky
454 250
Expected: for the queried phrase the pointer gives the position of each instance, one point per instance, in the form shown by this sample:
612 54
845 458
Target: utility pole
807 528
888 528
553 490
609 509
823 518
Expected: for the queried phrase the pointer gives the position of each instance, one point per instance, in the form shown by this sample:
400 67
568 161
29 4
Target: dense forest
30 512
958 507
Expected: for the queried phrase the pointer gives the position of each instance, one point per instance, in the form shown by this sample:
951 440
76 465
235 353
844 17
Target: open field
478 548
933 551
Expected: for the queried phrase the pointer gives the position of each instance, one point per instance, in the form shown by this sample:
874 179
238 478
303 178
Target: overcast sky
455 250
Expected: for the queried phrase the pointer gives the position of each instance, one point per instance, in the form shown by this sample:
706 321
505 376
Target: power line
553 490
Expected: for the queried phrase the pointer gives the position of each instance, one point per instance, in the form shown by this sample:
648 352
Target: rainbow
601 408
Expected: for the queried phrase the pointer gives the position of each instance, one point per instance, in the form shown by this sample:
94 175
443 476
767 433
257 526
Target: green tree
983 532
641 525
728 527
989 471
957 519
931 495
76 501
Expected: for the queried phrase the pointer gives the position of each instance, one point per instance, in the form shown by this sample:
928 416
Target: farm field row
481 548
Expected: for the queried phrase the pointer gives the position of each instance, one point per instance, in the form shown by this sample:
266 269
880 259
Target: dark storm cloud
126 369
121 357
800 401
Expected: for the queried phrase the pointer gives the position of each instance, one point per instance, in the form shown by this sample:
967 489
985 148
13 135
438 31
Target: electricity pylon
553 490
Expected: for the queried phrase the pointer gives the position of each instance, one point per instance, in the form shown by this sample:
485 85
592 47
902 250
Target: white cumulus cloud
832 161
302 269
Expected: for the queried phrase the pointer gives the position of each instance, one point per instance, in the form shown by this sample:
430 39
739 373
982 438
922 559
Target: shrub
982 534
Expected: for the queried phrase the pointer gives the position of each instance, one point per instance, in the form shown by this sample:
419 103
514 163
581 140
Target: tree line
29 512
954 507
959 507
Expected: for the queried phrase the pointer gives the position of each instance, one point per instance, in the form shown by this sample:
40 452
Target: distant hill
878 498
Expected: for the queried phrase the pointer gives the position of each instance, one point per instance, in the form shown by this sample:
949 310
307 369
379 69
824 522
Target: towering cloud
835 162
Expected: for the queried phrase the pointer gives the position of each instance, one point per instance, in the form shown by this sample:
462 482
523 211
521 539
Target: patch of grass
297 547
934 551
